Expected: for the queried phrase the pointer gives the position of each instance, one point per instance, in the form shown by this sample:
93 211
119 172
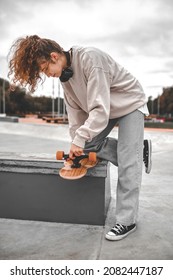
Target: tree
166 101
4 86
163 104
19 102
150 104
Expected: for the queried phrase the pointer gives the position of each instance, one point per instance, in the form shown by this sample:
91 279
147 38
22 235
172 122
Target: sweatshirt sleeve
98 100
76 116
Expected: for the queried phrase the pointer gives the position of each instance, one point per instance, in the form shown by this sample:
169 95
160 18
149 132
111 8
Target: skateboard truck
76 168
76 161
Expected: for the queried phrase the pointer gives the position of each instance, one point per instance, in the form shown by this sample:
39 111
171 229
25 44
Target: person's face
55 66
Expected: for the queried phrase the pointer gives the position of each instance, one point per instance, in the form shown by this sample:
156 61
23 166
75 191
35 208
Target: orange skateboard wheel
59 155
92 156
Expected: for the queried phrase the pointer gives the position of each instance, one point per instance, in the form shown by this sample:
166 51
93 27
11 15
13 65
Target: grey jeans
126 153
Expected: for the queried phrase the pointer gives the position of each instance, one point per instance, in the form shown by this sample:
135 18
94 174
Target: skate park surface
35 240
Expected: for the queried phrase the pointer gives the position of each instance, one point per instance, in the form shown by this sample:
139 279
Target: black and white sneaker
119 231
147 152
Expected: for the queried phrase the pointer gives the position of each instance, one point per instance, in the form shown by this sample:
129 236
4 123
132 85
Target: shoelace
119 228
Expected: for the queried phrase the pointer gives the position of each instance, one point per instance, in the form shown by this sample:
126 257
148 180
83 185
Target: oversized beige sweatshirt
99 90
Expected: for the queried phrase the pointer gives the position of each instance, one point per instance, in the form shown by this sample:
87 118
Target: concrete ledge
8 119
33 190
46 167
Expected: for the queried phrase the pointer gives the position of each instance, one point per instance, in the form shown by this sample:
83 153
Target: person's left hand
75 151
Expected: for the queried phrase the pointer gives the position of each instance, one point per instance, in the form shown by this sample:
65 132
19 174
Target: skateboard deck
76 168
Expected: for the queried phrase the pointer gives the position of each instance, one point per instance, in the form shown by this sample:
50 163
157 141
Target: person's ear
54 56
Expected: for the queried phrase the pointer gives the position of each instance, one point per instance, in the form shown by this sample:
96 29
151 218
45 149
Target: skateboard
76 168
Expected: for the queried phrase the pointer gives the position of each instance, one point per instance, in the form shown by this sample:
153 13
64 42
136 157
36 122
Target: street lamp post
3 96
58 98
158 105
152 104
53 101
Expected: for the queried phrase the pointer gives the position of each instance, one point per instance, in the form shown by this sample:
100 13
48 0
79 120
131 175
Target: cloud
130 27
137 33
148 34
11 13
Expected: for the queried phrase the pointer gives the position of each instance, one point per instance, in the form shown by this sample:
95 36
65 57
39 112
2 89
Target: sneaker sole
148 169
119 237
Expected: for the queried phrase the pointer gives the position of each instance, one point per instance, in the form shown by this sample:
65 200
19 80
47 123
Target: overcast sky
137 33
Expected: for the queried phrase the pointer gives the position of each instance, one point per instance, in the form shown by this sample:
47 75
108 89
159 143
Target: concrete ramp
58 132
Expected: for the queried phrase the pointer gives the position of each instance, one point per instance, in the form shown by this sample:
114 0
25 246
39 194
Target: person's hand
75 151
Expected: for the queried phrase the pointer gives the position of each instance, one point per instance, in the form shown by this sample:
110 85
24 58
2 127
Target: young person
99 93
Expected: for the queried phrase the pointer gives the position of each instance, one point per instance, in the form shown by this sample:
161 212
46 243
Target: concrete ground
34 240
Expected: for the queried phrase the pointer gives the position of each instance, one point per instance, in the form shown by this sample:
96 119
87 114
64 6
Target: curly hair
25 56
